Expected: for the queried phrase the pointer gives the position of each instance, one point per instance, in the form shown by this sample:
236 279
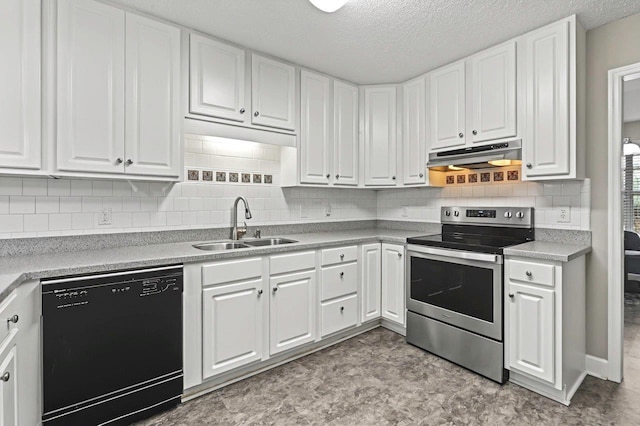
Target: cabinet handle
275 289
259 292
5 377
475 132
337 176
342 257
14 319
393 177
511 295
528 273
242 110
399 254
118 160
255 114
529 165
341 310
129 162
421 174
460 135
341 274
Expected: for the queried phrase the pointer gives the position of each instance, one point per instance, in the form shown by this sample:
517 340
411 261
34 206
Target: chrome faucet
236 233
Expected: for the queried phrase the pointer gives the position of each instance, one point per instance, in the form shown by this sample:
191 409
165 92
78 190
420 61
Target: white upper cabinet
448 106
153 119
493 93
272 93
345 134
315 130
380 135
413 135
547 144
20 120
217 79
90 87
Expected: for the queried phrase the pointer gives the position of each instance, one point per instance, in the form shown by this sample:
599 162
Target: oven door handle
456 254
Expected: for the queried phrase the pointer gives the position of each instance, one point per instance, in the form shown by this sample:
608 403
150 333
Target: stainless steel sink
220 245
260 242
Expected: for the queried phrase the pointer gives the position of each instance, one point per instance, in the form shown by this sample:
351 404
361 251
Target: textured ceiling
376 41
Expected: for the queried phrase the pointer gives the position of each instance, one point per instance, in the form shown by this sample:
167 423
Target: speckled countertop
548 251
17 269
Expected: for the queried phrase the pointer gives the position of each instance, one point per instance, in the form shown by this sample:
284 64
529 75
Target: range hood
476 157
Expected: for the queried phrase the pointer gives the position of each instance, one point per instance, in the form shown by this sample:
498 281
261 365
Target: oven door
460 288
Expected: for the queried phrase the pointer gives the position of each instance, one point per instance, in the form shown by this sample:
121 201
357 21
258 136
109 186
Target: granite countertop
548 250
17 269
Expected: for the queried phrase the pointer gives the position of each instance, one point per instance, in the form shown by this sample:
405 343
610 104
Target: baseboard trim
395 327
597 367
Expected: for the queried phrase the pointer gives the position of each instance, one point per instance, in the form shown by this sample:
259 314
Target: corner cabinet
554 79
118 93
370 291
20 120
545 325
380 139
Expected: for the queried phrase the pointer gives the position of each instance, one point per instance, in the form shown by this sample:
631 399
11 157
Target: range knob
520 214
447 213
456 213
508 215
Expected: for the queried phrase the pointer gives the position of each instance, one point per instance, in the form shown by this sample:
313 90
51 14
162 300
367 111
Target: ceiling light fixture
630 147
328 6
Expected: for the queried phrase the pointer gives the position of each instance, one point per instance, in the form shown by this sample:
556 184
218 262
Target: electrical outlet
563 214
327 210
105 217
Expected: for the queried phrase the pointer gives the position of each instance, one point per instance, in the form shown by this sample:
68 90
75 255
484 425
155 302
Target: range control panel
490 216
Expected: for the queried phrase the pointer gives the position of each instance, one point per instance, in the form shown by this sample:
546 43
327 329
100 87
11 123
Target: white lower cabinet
339 314
545 325
393 283
370 281
8 382
232 326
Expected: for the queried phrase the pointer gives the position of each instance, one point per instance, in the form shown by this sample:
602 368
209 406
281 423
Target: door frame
615 247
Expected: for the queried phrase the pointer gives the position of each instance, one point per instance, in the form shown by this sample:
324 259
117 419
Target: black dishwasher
112 346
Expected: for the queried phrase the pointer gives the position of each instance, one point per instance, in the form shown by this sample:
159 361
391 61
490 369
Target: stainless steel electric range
455 285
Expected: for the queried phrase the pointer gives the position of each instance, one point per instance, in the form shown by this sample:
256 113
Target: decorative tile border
193 174
207 175
484 176
219 177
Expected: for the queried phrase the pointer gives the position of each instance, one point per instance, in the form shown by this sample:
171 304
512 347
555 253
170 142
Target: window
631 196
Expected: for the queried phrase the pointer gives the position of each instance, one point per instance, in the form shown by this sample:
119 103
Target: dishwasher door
112 344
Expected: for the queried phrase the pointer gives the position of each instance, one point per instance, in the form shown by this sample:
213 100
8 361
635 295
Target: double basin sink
232 245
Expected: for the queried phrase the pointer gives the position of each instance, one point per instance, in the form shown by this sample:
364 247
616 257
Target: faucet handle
258 233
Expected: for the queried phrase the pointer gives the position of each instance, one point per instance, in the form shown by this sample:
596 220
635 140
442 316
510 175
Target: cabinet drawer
292 262
339 280
339 314
8 308
532 272
232 270
339 255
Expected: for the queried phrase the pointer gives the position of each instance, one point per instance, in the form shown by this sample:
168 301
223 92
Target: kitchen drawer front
292 262
339 280
232 270
339 255
532 272
8 308
339 314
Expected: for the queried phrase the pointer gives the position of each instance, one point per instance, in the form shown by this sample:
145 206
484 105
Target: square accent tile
257 178
461 179
193 175
233 177
485 177
207 175
450 180
246 178
221 176
473 178
268 179
513 175
498 176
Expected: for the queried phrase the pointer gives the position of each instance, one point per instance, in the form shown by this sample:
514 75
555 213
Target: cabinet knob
337 176
255 114
118 160
393 177
399 254
529 165
275 289
341 310
421 174
461 135
475 132
242 110
511 295
328 175
14 319
129 162
260 292
341 274
342 257
5 377
528 273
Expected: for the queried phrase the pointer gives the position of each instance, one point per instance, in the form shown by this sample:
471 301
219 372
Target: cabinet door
8 388
153 117
493 93
90 88
546 144
370 283
531 331
346 134
380 136
414 137
393 283
315 132
273 93
20 84
448 106
292 311
216 79
232 326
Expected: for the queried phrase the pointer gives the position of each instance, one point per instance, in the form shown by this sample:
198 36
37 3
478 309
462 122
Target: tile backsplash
48 207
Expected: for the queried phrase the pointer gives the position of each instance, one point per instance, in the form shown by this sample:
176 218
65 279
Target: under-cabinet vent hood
477 157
